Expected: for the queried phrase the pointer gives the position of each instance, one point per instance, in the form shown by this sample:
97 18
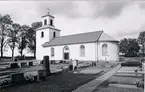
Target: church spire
48 10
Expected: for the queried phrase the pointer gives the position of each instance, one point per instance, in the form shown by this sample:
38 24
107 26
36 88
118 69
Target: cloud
109 9
79 9
141 4
117 18
65 8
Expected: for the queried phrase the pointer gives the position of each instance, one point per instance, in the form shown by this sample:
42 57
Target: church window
52 52
53 34
51 22
45 22
42 34
104 49
82 50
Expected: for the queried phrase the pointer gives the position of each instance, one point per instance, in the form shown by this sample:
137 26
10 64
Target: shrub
131 64
5 81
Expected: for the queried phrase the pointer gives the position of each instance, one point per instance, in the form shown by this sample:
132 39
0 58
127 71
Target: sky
120 19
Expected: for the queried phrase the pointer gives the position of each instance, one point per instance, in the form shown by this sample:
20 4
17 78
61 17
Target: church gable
106 37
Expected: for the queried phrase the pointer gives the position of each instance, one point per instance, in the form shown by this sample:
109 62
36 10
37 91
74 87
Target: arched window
104 49
66 49
82 50
53 34
51 22
45 22
52 52
66 53
42 34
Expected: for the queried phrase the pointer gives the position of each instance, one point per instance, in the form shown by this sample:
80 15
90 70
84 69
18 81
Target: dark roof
47 15
46 27
74 39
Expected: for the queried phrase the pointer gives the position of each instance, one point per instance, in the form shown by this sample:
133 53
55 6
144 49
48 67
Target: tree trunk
12 54
21 53
1 51
2 44
143 50
34 54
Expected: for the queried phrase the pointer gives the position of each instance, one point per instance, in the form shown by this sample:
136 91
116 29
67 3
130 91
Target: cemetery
29 73
129 78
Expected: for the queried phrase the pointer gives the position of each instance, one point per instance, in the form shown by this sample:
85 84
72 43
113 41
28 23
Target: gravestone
23 64
46 65
14 65
17 78
41 75
30 63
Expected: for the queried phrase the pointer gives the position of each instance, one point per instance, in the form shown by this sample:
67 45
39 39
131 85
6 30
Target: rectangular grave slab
17 78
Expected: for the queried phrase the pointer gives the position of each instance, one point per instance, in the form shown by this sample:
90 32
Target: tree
13 37
141 40
130 47
36 25
23 38
31 36
5 21
123 45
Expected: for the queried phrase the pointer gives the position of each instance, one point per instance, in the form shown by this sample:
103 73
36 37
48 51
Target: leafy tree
13 37
130 47
5 21
36 25
141 40
31 36
23 38
123 45
32 41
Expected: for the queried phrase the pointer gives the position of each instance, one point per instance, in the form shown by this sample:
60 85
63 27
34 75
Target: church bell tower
45 33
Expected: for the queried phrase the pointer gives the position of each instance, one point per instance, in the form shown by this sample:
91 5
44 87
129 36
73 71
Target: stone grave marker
17 78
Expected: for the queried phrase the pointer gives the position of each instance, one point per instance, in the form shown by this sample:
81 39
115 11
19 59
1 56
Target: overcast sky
117 18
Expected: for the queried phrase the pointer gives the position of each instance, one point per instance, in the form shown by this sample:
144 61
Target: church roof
46 27
75 39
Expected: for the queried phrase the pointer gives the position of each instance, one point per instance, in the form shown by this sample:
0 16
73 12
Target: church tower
45 33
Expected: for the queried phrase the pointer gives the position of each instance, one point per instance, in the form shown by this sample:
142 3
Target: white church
92 46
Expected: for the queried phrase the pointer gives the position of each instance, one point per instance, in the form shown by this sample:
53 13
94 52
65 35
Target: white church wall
39 41
57 33
75 52
112 49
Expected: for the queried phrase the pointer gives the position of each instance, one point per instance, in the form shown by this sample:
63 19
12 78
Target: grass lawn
117 89
62 82
124 80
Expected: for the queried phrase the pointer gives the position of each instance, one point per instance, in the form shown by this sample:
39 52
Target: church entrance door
66 53
66 56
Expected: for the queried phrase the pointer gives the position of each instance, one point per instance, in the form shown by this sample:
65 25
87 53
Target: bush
131 64
131 54
5 81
